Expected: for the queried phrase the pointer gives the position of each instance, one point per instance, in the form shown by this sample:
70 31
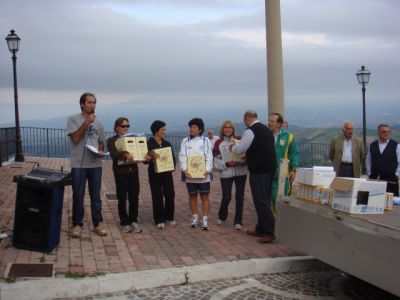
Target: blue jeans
79 177
261 190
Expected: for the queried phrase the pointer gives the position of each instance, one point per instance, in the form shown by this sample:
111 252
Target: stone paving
123 252
325 284
173 247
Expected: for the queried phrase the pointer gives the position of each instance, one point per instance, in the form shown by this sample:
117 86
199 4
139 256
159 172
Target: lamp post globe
13 45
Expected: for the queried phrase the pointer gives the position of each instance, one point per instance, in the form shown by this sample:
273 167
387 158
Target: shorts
201 188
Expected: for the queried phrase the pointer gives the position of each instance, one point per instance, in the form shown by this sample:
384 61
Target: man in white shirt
258 144
347 153
383 159
213 138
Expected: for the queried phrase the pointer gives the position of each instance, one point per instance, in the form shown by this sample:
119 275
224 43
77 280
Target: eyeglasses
124 126
228 127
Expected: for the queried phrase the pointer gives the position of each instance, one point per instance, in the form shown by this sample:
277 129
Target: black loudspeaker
37 219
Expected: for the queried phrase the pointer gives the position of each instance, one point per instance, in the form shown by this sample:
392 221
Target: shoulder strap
290 140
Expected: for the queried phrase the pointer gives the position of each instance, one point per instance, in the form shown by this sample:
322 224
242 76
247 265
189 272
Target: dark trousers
226 186
162 186
346 170
392 182
392 185
127 186
261 190
393 188
79 177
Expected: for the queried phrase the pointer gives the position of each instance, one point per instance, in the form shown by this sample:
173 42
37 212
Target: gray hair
382 125
250 113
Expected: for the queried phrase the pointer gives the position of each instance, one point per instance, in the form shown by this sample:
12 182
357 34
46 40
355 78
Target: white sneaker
172 223
136 228
220 222
204 224
194 222
238 226
160 225
126 228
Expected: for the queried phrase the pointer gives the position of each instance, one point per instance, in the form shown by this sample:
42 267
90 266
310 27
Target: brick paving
123 252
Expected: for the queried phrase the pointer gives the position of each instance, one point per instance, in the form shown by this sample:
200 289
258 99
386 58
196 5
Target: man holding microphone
84 130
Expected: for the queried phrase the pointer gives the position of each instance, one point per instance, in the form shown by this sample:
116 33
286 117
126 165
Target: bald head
249 117
348 129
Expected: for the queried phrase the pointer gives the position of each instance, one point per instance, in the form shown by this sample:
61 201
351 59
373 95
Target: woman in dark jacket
126 179
161 184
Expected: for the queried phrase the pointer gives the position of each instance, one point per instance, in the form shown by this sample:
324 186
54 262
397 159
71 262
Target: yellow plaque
236 157
197 165
165 162
136 146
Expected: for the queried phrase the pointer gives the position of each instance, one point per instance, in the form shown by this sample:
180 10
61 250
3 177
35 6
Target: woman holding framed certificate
233 169
196 162
126 177
161 166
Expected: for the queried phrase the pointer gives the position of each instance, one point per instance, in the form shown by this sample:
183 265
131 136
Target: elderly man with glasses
383 159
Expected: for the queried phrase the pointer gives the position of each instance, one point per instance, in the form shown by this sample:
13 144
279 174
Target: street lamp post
363 79
13 45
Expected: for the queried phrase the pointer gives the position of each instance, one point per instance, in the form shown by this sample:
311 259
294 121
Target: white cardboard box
358 195
315 177
136 146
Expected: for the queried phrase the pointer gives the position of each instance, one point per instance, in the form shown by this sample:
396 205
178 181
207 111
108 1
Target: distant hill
305 135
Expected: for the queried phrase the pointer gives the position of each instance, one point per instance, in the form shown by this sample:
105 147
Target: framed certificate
165 162
197 165
237 157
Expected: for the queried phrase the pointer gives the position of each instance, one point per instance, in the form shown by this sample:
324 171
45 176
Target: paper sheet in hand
95 150
133 134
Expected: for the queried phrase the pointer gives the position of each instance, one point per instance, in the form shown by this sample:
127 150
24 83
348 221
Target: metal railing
49 142
7 143
52 142
313 154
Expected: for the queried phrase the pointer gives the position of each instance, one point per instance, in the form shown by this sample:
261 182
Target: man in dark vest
258 144
383 159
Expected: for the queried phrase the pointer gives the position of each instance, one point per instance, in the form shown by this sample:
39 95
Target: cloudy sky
187 54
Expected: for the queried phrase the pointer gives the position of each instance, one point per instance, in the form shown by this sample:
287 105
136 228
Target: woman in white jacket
196 144
231 172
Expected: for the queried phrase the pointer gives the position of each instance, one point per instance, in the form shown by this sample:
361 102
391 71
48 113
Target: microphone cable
80 168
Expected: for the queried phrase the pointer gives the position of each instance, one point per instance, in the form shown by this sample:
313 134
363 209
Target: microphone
91 124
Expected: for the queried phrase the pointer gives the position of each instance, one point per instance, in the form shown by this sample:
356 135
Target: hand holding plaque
197 166
164 161
241 158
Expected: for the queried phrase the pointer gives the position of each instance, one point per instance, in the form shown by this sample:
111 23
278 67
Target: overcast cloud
182 51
